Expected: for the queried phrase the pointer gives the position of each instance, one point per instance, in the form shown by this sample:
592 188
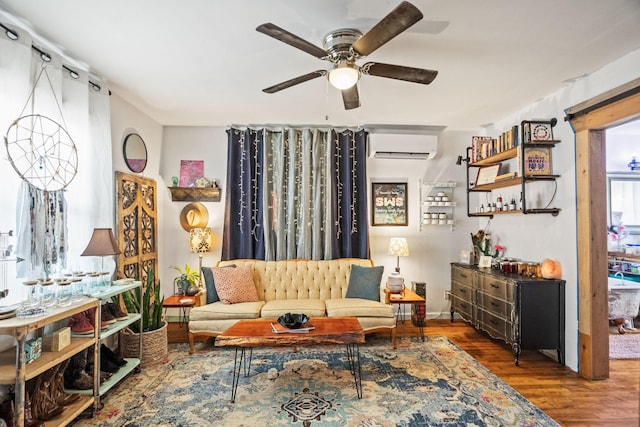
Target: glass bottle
64 293
33 296
48 293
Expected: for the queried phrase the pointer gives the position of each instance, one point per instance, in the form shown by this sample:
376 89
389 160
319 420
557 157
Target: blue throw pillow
364 282
210 285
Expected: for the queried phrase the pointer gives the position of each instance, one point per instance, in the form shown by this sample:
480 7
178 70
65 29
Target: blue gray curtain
296 193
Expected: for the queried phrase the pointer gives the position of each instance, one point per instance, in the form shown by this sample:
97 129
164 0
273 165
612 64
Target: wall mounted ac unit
402 146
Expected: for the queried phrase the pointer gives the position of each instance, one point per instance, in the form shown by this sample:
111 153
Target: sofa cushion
310 307
235 285
219 311
357 307
364 282
209 283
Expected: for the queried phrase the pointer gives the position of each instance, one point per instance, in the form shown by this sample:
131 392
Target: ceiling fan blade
399 72
350 98
285 36
295 81
398 20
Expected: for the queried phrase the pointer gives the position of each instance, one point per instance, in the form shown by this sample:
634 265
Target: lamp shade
344 75
200 240
102 243
398 247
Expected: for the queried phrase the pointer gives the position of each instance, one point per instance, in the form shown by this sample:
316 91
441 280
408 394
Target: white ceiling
201 62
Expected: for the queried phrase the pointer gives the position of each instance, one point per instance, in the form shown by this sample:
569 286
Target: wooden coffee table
247 334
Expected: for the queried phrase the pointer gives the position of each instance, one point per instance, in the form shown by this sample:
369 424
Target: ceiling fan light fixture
344 75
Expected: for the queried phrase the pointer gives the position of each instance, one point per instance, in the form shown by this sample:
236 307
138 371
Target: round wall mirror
135 152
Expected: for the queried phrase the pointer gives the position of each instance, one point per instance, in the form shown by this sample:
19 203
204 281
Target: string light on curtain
200 241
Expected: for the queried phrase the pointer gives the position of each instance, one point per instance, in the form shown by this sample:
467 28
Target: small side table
407 296
182 302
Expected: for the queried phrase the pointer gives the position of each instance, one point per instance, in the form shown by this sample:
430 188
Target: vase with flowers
482 246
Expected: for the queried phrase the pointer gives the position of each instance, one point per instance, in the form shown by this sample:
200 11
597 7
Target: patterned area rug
625 346
434 383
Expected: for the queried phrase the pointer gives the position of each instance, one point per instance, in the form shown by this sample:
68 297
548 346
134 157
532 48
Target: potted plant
188 282
149 304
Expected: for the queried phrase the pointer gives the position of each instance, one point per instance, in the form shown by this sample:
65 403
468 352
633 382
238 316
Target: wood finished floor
566 397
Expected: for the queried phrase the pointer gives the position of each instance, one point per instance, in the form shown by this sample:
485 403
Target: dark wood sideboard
525 312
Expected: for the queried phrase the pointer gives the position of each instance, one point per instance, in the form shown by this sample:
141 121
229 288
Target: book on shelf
480 147
279 329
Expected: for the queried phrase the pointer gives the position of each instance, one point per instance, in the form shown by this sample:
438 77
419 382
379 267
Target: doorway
589 120
623 238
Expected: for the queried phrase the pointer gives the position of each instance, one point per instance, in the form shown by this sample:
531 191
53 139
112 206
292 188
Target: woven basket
154 345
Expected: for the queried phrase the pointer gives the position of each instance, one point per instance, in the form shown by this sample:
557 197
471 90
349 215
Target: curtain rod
12 35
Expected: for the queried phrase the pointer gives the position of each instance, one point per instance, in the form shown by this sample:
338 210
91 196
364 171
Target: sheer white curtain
82 109
297 191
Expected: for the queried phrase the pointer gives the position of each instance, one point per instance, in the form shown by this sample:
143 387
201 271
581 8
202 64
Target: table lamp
200 241
102 244
398 247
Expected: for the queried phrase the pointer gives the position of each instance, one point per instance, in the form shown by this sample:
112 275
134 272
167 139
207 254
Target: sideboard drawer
494 305
495 326
461 291
463 308
464 276
497 287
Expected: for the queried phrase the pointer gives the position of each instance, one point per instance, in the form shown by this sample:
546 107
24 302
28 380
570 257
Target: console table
525 312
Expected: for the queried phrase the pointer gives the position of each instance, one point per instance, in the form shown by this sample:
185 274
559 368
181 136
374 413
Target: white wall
433 248
535 237
126 119
529 237
191 143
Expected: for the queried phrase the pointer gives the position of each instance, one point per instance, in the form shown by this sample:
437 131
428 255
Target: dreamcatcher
43 154
40 150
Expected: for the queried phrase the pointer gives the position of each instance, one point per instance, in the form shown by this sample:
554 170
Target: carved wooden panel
137 226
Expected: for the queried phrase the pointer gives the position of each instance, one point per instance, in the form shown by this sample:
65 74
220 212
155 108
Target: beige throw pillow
235 285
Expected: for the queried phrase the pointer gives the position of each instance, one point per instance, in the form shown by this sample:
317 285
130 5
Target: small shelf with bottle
195 194
437 203
533 165
14 370
132 364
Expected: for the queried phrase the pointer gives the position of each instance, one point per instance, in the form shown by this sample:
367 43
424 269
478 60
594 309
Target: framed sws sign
389 203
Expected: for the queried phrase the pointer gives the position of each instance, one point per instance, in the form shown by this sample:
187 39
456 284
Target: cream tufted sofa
316 288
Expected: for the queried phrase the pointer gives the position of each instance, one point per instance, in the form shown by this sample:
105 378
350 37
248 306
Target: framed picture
485 261
487 175
389 203
537 131
537 161
190 171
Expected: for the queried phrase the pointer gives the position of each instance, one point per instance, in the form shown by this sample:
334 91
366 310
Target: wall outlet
447 295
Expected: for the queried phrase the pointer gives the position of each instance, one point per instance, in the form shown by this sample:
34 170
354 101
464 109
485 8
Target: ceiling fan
345 46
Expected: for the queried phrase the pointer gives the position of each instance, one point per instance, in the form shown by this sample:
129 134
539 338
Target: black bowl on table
293 320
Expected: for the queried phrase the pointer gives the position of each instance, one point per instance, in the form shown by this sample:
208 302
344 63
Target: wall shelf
520 179
433 210
195 194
